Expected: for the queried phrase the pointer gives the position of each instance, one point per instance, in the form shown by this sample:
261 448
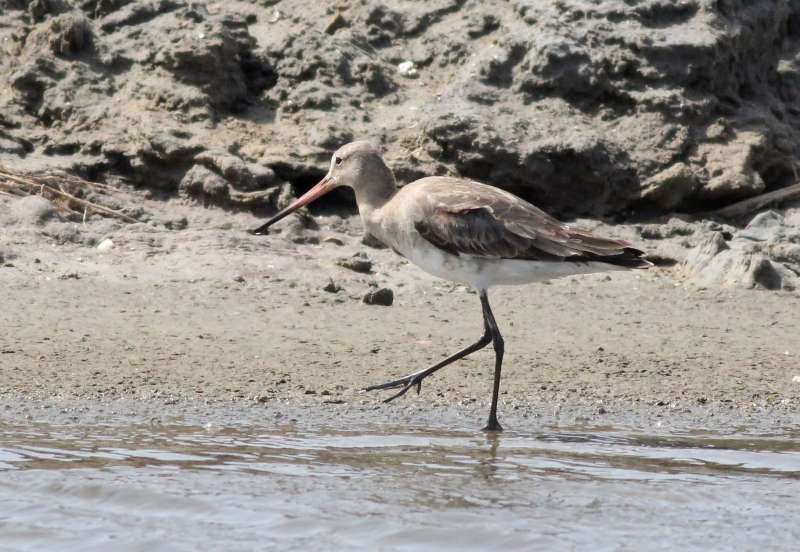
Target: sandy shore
209 315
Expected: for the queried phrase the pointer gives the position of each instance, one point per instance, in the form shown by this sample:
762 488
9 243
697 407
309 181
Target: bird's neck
376 194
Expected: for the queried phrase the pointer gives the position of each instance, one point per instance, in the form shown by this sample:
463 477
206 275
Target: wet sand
210 316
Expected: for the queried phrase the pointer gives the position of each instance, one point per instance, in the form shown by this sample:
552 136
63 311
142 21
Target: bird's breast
394 226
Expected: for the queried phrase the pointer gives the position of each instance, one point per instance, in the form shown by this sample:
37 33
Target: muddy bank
208 315
617 108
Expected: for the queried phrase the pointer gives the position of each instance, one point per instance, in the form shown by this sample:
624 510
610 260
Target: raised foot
493 425
405 383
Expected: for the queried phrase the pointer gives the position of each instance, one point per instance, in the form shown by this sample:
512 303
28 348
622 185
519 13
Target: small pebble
336 23
371 241
357 263
105 245
333 239
332 287
382 296
408 69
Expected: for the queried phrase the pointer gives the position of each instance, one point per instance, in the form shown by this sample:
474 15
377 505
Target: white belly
395 228
482 273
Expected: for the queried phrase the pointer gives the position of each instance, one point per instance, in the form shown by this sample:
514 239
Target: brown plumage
496 224
467 232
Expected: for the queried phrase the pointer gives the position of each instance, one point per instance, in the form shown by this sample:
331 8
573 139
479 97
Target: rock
8 145
38 9
671 187
242 175
285 196
786 253
382 296
105 245
206 55
705 252
66 232
199 181
66 35
301 228
359 262
765 226
337 22
333 239
738 263
675 227
13 4
371 241
176 223
733 167
791 218
480 24
332 287
328 136
32 209
762 273
408 69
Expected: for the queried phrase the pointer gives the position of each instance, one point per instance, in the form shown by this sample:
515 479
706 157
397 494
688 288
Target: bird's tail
607 250
630 257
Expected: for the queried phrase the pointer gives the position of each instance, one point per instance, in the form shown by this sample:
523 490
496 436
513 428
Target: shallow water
184 487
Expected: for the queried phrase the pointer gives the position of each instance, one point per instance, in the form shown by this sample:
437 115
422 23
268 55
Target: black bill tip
262 230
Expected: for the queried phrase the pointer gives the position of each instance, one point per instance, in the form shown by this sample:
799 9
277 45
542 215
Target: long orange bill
323 187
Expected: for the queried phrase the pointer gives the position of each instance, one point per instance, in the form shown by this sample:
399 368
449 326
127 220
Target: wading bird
466 232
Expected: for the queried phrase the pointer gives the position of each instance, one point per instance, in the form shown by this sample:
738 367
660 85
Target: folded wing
468 218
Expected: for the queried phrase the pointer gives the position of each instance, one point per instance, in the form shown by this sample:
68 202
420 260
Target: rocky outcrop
765 254
585 108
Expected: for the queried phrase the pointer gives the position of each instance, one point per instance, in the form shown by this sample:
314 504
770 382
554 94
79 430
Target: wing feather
469 218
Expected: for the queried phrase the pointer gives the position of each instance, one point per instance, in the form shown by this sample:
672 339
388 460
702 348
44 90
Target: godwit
466 232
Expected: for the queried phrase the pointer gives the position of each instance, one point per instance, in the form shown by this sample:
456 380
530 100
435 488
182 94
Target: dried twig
752 204
53 186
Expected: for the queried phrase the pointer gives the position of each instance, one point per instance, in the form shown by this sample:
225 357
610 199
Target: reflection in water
68 487
489 465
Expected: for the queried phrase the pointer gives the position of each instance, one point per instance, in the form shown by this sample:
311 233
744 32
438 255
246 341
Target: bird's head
358 165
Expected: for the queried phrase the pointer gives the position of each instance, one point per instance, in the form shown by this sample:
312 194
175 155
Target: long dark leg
415 378
499 347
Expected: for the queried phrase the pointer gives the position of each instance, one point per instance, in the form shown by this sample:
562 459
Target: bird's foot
404 383
493 424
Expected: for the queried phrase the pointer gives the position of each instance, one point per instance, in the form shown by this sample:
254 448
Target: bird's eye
338 160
